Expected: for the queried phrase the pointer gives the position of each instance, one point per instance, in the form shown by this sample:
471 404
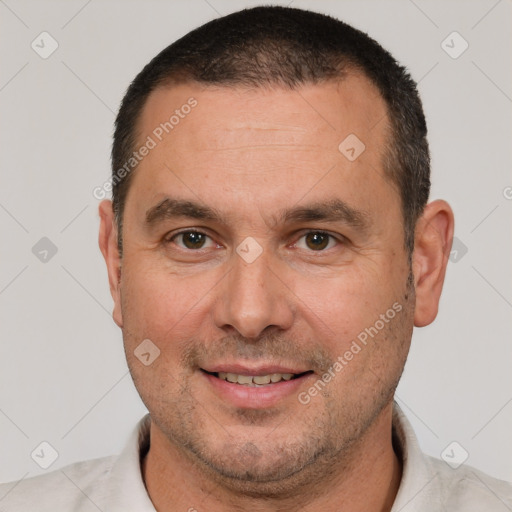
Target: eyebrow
170 208
334 210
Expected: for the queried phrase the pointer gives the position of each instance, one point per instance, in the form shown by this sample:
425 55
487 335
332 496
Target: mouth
261 380
249 387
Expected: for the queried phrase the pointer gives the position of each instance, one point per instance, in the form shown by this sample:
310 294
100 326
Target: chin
264 469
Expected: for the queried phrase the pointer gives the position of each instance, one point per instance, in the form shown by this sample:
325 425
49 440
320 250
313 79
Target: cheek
163 306
365 327
343 305
159 307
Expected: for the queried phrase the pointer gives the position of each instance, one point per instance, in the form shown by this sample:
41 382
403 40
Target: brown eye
191 239
317 241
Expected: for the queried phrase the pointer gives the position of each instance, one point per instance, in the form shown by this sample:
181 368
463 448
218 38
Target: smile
261 388
256 380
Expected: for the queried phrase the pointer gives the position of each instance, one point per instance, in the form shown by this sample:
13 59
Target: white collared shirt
114 484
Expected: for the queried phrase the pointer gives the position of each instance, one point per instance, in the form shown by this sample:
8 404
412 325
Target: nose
252 298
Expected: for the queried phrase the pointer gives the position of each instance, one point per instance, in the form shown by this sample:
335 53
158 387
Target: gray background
63 378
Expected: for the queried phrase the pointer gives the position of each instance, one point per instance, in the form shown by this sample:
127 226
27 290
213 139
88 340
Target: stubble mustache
271 348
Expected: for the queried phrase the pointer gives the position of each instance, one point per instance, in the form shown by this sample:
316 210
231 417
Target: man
269 249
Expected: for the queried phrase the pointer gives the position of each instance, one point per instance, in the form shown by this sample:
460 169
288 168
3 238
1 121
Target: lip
254 371
262 397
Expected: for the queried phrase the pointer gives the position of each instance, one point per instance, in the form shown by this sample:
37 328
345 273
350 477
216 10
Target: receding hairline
182 79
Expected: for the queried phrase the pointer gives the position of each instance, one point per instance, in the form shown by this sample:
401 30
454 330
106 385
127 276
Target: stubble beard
277 466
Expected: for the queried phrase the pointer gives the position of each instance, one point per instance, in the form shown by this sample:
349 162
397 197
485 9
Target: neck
366 480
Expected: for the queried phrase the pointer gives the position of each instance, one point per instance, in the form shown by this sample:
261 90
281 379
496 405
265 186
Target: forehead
265 115
240 140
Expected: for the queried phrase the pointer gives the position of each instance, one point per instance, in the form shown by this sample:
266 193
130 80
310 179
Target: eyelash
170 239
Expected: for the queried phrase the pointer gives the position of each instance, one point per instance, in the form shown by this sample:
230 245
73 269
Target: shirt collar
126 488
419 488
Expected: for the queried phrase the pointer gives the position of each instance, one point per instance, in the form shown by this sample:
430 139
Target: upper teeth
254 380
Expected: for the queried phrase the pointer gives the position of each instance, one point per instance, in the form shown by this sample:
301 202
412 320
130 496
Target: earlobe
434 234
108 242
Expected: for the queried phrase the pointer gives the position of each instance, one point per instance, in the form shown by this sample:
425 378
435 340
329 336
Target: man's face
254 247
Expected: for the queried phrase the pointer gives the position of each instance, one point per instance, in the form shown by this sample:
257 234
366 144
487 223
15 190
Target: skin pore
327 241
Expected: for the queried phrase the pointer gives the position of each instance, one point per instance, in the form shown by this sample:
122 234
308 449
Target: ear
108 242
433 241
